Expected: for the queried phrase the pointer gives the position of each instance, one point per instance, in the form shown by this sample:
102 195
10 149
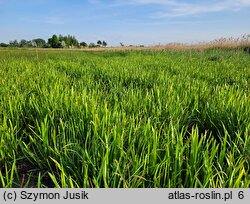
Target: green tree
75 41
104 43
14 43
39 42
99 43
70 41
54 41
23 43
83 44
62 44
67 40
4 45
61 38
91 45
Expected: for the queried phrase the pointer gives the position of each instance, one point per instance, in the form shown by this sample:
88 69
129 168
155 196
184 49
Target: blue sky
129 21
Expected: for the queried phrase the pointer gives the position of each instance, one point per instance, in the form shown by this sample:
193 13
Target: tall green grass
124 119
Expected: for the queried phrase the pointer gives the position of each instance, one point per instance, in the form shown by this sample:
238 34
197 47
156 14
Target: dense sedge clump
124 118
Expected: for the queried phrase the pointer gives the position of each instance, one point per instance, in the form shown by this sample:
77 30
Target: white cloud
174 8
185 9
244 2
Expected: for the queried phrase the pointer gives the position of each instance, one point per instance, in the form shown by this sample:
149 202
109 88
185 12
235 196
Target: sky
132 22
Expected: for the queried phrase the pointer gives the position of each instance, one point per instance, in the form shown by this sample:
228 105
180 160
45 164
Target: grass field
124 118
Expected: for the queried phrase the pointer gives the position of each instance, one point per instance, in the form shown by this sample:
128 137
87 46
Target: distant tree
75 42
62 44
99 43
61 38
91 45
104 43
67 40
83 44
29 43
63 41
14 43
54 41
70 41
23 43
4 45
39 42
50 42
47 45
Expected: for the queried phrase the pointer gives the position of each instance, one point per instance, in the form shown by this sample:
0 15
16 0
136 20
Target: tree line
55 41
